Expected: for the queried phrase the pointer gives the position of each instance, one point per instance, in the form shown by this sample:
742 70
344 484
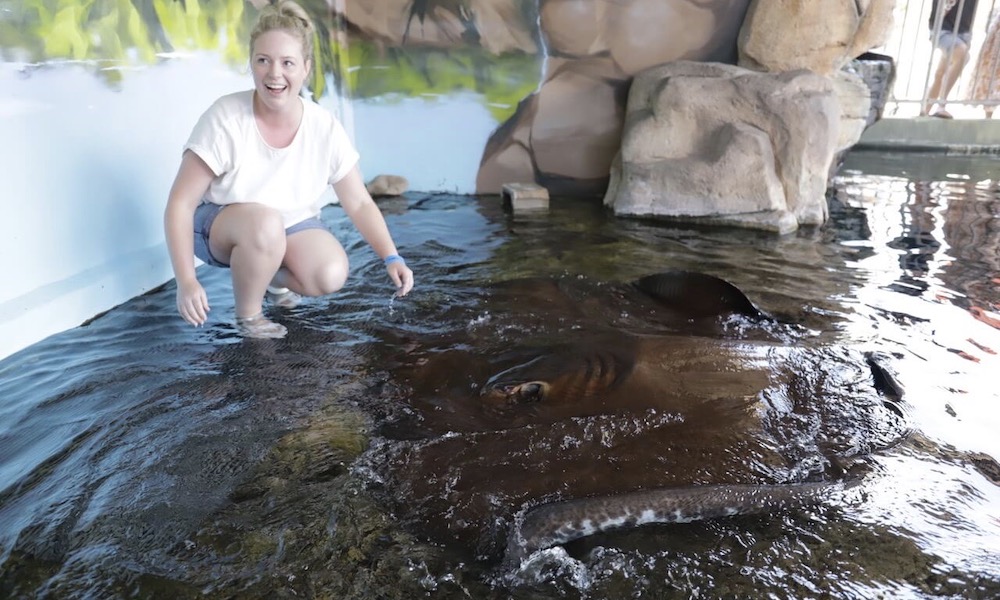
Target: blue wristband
393 258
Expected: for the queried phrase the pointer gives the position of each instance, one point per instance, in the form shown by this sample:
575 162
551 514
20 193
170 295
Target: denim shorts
205 215
948 39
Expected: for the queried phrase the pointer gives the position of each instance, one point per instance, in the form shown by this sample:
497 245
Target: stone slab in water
525 196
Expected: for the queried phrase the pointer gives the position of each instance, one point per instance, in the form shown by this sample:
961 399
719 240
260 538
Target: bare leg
949 69
251 238
315 264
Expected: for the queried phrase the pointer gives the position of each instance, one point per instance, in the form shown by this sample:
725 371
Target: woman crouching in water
247 193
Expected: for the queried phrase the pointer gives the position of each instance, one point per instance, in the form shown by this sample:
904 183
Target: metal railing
918 59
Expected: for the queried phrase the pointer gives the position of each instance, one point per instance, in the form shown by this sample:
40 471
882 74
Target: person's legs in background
954 56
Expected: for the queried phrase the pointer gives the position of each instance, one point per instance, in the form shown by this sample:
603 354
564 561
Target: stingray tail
560 522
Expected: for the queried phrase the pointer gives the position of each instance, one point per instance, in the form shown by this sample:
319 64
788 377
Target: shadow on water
387 446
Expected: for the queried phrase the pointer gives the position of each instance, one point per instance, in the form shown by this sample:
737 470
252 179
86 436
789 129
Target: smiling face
279 70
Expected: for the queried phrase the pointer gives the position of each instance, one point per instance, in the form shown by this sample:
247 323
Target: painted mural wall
461 96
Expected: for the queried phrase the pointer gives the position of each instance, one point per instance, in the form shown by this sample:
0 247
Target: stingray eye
533 391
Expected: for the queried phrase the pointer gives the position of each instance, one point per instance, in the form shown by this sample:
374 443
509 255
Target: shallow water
142 457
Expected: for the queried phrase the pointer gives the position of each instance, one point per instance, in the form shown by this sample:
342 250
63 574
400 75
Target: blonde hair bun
288 16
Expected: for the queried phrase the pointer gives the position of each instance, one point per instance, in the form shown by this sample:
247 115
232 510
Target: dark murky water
363 457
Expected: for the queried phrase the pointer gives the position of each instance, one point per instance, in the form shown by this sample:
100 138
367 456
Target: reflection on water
141 457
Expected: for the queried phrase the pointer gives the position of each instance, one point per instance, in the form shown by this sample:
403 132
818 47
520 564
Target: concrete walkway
932 134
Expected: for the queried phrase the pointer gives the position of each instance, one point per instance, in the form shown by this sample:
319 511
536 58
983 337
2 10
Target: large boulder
718 143
822 36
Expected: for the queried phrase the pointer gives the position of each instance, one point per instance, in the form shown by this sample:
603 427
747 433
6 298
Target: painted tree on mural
106 36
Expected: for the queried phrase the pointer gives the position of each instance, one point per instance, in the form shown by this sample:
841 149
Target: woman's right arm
190 185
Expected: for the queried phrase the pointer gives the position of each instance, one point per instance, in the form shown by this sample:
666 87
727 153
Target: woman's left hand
401 275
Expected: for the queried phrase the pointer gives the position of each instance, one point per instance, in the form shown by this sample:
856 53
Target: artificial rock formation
565 135
826 38
722 144
784 35
752 146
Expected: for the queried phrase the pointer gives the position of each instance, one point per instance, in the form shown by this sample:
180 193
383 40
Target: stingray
566 418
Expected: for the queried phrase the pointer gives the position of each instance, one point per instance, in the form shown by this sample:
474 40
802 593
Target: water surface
142 457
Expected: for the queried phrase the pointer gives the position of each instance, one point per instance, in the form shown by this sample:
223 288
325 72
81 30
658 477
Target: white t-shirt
290 179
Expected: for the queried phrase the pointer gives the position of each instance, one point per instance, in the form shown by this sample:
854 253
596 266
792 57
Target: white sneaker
259 326
283 297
